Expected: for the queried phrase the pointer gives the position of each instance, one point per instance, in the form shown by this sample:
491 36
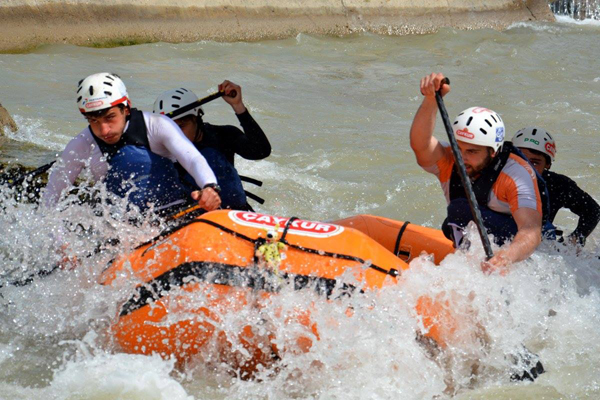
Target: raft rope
285 230
397 251
392 272
229 275
250 195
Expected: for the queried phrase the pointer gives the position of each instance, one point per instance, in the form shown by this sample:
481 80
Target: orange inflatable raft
227 257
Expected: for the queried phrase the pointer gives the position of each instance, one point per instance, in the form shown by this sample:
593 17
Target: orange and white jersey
516 186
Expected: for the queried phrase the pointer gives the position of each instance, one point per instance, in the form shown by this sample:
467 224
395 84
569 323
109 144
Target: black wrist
214 187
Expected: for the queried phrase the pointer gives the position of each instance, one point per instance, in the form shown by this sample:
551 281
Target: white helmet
536 139
101 91
174 99
480 126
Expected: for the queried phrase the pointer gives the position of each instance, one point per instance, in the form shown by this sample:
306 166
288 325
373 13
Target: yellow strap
184 212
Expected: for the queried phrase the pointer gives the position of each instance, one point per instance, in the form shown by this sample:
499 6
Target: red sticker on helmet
93 104
465 133
551 148
297 227
478 110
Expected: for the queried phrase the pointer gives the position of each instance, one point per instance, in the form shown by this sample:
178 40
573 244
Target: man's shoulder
516 165
83 139
517 174
448 156
222 136
223 130
154 118
552 177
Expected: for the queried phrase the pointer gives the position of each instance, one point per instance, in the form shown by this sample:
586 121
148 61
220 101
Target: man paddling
505 184
219 143
539 146
131 151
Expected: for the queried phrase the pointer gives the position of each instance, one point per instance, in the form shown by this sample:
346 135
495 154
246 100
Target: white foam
118 376
564 19
31 130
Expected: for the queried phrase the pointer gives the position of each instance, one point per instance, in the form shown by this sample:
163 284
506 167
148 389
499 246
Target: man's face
188 126
476 157
109 126
539 161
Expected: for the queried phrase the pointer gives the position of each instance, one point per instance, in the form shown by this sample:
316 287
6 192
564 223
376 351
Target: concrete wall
28 23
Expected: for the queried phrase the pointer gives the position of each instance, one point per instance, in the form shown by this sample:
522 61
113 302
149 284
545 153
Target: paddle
198 103
30 278
12 181
462 171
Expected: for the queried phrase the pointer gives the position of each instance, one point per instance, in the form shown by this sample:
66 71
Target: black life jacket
482 186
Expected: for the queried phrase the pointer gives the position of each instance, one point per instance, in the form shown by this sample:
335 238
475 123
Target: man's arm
252 144
168 136
584 206
527 239
426 147
66 170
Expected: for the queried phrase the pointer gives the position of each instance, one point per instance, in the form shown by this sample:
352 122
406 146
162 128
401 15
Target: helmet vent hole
494 118
483 131
91 90
469 121
455 122
110 77
108 93
460 114
108 84
519 135
177 97
161 104
179 91
79 99
534 132
175 105
79 83
489 123
79 90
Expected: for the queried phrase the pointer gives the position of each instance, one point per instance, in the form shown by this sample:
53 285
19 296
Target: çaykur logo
297 227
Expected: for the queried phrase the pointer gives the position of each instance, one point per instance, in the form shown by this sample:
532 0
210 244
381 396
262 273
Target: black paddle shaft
198 103
462 171
15 181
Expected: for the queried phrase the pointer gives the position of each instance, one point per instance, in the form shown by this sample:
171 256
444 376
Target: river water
338 113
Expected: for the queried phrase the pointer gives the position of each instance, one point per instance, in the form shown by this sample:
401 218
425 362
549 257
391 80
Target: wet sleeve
66 170
517 186
167 135
584 206
252 143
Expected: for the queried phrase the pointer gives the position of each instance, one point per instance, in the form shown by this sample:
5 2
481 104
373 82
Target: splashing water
370 351
337 111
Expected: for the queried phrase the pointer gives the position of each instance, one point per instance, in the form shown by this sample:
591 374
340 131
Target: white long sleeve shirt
164 136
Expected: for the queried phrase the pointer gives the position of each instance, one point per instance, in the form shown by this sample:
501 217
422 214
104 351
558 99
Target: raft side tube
407 241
